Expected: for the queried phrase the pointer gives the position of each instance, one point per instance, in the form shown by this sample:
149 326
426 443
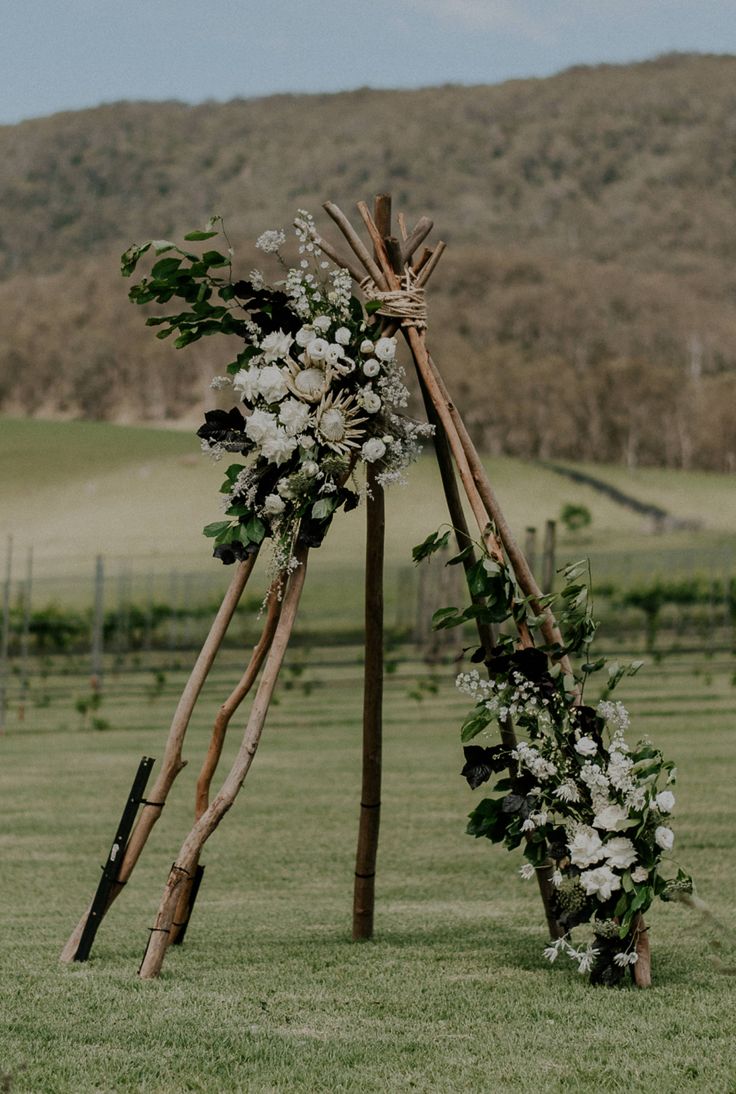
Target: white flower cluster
321 396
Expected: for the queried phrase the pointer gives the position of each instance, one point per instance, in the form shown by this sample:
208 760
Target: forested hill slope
585 305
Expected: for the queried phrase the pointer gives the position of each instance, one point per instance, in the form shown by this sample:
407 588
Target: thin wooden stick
236 697
208 822
172 762
428 267
370 797
419 233
402 227
217 738
642 970
356 243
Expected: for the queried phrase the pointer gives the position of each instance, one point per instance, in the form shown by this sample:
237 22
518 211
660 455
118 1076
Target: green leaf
322 508
216 528
196 237
254 529
474 724
433 542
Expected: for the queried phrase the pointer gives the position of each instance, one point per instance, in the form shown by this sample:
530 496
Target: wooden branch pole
370 796
217 740
172 762
188 856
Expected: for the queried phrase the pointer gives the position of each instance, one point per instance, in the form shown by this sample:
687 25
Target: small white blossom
245 382
586 847
278 447
217 383
276 345
639 874
322 323
304 336
586 746
385 349
371 367
366 347
270 241
343 336
620 853
293 416
567 792
316 351
260 425
601 882
273 505
272 383
370 402
372 450
609 818
665 801
557 879
664 837
526 871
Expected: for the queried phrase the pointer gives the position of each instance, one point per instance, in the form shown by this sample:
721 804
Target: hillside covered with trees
584 308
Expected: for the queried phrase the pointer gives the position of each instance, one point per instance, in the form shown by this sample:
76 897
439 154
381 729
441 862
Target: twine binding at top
407 304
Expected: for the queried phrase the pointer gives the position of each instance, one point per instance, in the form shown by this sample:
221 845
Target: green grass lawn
268 993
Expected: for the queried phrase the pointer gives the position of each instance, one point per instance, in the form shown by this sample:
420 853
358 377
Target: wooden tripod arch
385 267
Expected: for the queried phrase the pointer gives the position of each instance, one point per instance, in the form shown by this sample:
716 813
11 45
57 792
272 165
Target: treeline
583 310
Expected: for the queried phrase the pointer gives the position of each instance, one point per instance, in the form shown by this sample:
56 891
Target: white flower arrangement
588 808
321 393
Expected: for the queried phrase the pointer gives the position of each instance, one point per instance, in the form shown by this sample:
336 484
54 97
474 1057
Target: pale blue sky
67 54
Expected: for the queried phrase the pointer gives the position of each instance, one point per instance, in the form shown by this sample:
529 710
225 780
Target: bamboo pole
370 796
208 822
172 762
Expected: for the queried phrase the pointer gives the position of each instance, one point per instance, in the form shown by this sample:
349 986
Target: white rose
601 882
586 746
322 323
664 837
385 349
246 382
372 450
304 336
665 801
371 367
272 383
639 874
273 505
586 847
620 853
293 416
342 335
334 353
260 425
276 345
310 469
317 350
278 447
370 401
610 817
366 347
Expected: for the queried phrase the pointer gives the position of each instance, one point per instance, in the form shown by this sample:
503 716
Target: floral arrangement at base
592 812
320 391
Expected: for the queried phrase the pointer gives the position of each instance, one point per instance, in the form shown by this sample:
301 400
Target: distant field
75 489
